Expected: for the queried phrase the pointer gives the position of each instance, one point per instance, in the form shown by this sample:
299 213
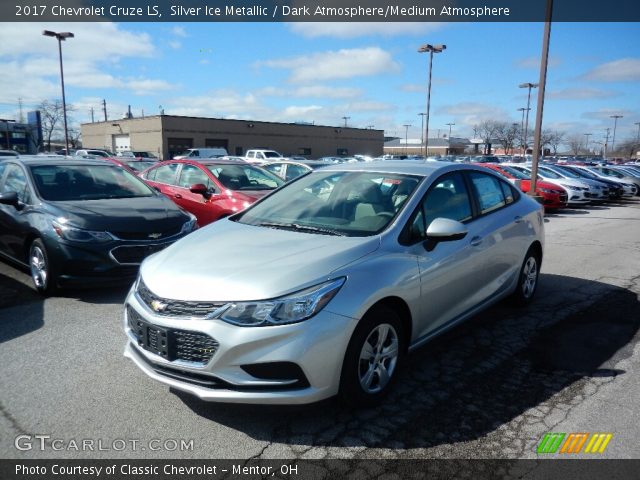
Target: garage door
121 143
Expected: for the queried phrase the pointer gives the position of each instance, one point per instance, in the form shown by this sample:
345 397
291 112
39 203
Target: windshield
61 183
515 173
334 203
581 173
245 177
567 173
272 155
545 172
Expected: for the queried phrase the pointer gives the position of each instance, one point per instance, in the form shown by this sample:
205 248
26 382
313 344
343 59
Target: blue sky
321 72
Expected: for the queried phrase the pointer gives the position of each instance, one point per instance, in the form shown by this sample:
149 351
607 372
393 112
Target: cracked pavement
487 389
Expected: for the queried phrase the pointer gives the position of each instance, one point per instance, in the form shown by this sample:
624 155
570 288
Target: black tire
527 279
43 275
380 328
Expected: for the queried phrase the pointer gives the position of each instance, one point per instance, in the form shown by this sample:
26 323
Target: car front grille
146 235
134 254
170 343
175 308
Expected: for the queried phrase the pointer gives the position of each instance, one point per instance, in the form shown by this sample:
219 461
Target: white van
192 153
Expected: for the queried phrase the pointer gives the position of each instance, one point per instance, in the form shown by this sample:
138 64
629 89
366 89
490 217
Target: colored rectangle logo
573 443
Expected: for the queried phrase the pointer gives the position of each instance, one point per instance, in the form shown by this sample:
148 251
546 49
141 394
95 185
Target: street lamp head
60 36
528 85
432 48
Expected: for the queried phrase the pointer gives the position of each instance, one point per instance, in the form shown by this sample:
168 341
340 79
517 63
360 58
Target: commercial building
21 137
169 135
437 146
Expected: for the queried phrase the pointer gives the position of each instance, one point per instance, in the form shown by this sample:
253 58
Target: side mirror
10 198
444 230
201 189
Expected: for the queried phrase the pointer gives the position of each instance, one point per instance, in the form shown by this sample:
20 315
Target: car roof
408 167
62 161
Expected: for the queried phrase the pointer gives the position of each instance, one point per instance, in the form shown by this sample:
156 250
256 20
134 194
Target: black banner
318 469
317 10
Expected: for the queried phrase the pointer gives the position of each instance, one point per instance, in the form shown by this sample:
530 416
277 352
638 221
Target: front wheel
373 358
42 274
528 279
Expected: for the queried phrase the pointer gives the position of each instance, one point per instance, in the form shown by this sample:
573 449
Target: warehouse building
170 135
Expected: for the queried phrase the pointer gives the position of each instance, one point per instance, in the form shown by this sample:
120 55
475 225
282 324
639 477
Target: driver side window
447 198
16 181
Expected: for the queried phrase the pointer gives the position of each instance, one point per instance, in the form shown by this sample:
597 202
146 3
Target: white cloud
361 29
332 65
605 114
471 113
179 32
295 112
623 70
175 44
32 71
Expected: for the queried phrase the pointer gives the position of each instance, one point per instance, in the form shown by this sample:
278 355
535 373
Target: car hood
566 181
228 261
156 213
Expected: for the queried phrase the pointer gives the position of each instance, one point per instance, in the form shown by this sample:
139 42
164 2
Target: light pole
406 136
431 49
522 109
606 144
422 133
526 125
61 36
546 36
345 121
615 124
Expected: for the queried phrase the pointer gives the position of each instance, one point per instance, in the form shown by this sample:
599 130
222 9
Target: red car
211 189
554 196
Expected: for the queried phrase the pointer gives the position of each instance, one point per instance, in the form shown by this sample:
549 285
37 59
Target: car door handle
475 241
177 195
517 219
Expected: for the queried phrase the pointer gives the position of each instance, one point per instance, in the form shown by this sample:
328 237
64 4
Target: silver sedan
324 286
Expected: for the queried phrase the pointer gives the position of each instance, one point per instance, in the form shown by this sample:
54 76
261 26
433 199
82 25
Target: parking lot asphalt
491 388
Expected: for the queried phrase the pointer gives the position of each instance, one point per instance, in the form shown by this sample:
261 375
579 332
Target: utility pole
587 145
92 118
606 144
615 124
345 121
104 109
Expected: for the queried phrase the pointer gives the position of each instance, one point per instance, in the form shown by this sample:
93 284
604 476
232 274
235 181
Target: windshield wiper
301 228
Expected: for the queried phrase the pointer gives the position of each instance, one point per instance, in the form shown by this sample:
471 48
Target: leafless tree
507 133
628 148
487 130
555 140
52 116
575 143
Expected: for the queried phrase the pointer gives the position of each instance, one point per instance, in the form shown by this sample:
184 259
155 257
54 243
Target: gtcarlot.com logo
47 442
574 442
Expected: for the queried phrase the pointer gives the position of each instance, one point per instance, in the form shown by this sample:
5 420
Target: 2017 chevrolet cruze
323 287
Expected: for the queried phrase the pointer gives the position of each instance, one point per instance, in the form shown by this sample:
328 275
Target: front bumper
317 346
79 265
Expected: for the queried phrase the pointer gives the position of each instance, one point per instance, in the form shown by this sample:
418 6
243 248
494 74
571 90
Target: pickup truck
262 156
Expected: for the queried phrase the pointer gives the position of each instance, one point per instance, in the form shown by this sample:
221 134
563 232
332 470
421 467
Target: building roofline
117 120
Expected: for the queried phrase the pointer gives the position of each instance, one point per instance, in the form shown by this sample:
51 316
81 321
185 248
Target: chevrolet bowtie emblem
155 235
158 306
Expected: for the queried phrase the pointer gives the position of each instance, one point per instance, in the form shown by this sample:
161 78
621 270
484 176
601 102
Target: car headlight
545 190
73 234
190 225
292 308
